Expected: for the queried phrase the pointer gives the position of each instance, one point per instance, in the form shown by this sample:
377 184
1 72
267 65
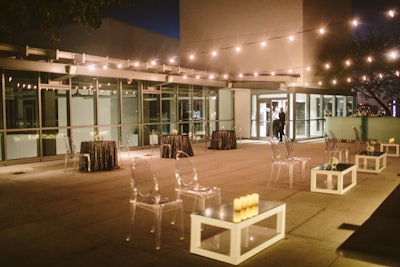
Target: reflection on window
83 100
151 108
21 99
108 101
130 102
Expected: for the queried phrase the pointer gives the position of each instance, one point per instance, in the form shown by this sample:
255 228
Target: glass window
21 99
54 107
341 109
316 122
350 106
168 107
213 109
328 105
83 101
22 145
301 115
184 108
130 136
151 108
108 101
199 112
130 102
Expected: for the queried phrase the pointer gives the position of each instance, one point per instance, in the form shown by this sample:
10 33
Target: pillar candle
243 201
237 204
255 198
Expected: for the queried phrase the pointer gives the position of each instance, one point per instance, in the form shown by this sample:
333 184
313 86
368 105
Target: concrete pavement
49 218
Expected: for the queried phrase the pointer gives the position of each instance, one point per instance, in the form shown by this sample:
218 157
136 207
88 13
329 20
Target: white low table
334 182
392 150
232 237
372 162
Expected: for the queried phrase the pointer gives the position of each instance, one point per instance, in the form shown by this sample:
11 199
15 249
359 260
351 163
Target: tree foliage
369 66
49 15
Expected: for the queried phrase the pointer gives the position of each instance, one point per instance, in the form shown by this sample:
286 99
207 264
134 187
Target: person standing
281 126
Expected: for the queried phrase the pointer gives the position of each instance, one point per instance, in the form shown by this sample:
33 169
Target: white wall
242 111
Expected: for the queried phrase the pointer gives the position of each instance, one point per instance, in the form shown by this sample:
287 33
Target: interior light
391 13
214 53
191 57
238 49
263 44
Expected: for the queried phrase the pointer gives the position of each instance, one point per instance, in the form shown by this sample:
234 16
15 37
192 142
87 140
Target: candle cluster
245 207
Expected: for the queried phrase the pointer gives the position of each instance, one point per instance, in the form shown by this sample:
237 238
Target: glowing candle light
237 204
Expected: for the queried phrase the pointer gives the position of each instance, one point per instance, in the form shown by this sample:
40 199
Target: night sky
162 16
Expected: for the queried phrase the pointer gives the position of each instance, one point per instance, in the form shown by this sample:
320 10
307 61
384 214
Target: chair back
275 151
144 183
69 149
289 147
185 170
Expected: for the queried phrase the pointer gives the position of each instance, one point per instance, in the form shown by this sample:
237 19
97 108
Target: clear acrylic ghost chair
145 194
291 156
279 162
70 153
332 150
187 183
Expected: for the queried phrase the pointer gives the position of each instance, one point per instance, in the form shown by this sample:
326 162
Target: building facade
48 94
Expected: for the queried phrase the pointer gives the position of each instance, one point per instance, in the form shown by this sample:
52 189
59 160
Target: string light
355 22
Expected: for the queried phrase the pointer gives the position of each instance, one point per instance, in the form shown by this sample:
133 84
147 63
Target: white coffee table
334 182
392 150
372 162
231 239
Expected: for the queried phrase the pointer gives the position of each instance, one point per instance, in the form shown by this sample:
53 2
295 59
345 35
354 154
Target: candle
243 214
236 217
237 204
255 198
243 201
250 200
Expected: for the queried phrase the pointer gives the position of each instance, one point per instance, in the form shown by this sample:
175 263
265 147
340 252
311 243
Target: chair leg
65 163
132 210
180 213
157 232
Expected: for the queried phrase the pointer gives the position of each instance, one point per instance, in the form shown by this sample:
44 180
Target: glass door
264 119
266 108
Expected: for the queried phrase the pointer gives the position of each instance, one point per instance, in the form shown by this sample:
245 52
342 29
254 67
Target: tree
369 66
49 15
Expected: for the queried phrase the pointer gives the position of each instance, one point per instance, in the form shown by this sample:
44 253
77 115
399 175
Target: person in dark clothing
281 127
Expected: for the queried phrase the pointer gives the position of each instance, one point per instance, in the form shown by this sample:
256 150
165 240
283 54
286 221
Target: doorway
266 109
